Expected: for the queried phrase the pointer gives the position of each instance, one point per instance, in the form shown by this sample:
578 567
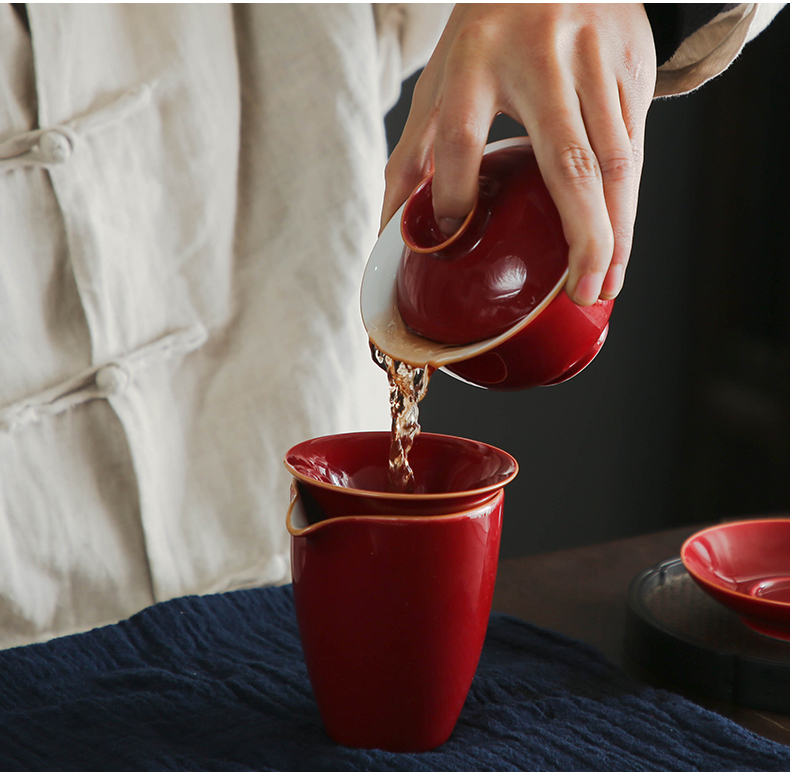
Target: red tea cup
487 304
745 565
392 614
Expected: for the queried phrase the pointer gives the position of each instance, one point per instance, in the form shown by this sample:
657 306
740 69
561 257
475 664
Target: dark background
684 417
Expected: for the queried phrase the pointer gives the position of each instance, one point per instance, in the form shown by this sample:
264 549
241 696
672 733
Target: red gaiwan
487 304
506 257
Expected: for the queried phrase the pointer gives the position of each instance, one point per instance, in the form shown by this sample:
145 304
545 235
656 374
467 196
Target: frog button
111 379
54 147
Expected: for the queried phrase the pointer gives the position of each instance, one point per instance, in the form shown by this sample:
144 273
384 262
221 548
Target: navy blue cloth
218 683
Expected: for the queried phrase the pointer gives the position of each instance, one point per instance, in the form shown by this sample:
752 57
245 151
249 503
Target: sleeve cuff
407 35
693 47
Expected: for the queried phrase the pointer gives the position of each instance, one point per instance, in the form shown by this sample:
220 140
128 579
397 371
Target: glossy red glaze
496 269
392 615
347 474
746 566
501 275
554 347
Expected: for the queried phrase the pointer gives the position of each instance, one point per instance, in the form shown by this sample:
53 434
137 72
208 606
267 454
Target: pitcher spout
304 512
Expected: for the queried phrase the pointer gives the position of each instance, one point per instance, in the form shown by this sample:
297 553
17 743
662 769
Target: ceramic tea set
393 590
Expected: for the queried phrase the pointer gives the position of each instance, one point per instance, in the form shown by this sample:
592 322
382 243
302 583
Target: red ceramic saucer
746 566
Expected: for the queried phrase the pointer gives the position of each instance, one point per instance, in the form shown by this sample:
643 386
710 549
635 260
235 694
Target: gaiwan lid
506 257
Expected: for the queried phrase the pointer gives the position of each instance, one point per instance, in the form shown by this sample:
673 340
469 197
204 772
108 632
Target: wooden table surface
582 593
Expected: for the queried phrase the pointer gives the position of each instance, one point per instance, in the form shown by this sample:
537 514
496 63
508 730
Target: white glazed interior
380 313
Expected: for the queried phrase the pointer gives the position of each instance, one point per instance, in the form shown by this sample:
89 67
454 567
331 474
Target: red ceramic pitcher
393 590
392 614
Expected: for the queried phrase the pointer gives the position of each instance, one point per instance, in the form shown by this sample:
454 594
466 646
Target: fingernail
588 288
450 226
613 283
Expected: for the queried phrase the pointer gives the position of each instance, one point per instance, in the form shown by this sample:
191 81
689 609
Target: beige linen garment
188 194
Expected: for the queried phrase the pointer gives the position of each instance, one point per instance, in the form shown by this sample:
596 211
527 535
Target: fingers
614 116
412 159
573 177
619 163
446 134
462 129
410 162
580 79
592 167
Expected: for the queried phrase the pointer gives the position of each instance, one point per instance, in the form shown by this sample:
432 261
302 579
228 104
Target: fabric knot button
54 146
111 379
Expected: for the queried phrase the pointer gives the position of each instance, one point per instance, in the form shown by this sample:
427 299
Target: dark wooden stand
583 592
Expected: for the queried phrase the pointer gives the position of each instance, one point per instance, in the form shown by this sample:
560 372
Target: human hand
580 78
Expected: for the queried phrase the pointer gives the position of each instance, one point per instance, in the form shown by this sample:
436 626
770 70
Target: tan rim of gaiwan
411 245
